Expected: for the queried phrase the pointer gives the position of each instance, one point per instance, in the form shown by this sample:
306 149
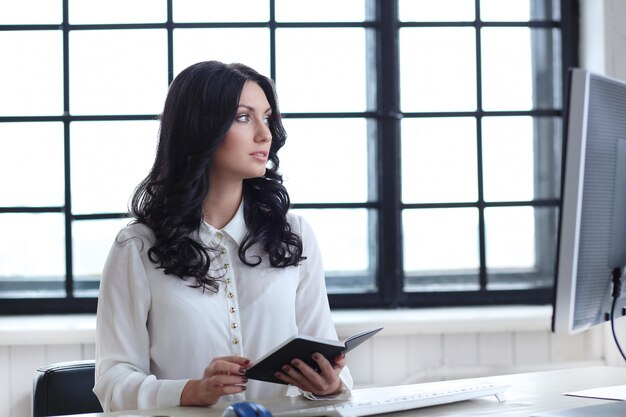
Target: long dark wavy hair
200 107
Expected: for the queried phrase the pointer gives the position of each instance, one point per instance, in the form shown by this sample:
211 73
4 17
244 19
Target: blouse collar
236 229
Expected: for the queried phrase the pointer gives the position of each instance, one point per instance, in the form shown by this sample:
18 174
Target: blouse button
226 266
232 309
234 325
235 341
228 280
223 251
219 235
231 295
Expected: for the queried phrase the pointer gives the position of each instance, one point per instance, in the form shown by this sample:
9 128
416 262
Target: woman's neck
221 203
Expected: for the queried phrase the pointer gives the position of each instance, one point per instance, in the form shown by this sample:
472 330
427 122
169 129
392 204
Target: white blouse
154 332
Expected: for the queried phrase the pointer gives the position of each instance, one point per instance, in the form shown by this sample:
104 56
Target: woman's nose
264 133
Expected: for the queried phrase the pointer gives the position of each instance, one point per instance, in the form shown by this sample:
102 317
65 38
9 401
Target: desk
529 393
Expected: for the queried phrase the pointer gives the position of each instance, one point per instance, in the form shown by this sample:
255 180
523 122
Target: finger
209 390
308 379
219 366
295 375
339 361
225 380
217 391
241 360
289 380
328 378
233 389
339 365
324 365
306 372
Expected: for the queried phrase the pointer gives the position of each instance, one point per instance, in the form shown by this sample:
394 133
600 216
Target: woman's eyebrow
251 108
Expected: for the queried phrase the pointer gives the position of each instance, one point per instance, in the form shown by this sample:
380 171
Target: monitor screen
592 217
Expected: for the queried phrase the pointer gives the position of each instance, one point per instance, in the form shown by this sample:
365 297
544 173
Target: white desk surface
529 393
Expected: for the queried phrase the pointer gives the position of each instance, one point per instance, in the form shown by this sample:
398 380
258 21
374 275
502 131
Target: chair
65 388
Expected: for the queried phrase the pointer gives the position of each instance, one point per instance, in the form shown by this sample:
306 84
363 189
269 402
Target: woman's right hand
224 375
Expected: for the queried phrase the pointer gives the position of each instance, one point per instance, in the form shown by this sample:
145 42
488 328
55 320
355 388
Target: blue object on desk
246 409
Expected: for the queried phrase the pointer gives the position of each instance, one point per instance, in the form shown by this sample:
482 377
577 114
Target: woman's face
243 152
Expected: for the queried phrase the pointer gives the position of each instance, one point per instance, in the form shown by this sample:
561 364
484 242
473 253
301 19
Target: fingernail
242 371
243 388
244 379
285 369
247 361
316 356
278 375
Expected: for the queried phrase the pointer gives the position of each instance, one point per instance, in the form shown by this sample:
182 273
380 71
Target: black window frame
383 28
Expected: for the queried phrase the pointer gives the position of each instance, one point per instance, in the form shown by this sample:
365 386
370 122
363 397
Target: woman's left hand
324 382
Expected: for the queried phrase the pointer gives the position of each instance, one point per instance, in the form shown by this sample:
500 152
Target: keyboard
398 399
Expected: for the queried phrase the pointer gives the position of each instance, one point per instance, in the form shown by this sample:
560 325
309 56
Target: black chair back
65 388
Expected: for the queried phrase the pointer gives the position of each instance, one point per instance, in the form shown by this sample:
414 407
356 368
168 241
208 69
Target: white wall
603 37
442 344
28 342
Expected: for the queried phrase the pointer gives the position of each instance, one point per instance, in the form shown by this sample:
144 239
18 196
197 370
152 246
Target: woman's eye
267 119
243 118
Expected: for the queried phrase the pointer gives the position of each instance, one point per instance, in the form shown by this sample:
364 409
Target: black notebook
303 347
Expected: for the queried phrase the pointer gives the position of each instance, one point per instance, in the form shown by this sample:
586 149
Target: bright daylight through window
424 137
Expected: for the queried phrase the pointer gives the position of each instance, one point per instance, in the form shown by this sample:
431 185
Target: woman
213 272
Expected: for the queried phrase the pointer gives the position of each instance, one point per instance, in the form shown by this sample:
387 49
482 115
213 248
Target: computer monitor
592 220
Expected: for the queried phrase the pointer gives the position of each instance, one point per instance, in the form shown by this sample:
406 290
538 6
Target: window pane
545 10
318 11
31 164
32 84
30 12
507 66
431 235
92 242
439 160
510 237
510 10
343 238
109 159
309 168
117 11
520 247
221 11
440 242
508 162
118 71
521 158
321 70
521 62
448 82
433 11
548 141
195 45
32 247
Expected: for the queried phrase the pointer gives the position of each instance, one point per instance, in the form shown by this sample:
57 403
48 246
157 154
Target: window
424 137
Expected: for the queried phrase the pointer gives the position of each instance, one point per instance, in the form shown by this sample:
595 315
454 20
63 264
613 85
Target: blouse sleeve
313 310
123 379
